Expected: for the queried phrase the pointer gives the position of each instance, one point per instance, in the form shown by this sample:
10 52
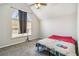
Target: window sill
20 35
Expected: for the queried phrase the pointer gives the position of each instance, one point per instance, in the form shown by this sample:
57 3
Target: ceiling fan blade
32 4
43 3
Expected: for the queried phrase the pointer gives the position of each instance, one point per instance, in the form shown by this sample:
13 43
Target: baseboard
12 44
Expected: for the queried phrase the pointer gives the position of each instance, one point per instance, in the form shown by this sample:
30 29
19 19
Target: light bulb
36 5
39 5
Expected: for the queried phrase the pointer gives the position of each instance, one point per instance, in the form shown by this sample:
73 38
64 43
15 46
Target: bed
57 45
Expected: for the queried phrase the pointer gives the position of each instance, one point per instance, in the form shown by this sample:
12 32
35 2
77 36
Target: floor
22 49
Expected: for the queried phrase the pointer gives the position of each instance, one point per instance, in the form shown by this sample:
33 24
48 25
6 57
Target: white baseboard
13 43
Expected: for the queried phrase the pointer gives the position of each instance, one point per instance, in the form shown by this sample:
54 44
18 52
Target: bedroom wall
59 19
64 25
5 25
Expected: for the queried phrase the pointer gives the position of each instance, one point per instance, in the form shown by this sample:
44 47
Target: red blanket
63 38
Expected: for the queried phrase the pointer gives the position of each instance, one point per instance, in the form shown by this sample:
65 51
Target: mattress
53 44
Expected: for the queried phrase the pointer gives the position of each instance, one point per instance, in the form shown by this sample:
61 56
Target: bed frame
41 48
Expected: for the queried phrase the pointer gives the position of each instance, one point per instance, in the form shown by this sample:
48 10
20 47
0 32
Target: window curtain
23 21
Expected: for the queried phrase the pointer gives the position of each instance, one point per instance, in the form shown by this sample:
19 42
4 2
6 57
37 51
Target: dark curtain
23 21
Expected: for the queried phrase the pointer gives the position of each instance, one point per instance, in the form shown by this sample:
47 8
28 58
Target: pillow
68 39
62 46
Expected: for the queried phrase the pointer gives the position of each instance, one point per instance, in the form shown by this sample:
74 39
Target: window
15 24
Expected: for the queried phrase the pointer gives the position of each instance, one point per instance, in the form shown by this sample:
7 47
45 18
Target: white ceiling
53 10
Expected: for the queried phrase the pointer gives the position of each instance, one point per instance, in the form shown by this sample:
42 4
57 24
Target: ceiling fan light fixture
37 5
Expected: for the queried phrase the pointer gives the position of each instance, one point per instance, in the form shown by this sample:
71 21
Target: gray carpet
22 49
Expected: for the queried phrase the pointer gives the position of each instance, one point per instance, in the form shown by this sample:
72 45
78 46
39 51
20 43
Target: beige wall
64 25
5 25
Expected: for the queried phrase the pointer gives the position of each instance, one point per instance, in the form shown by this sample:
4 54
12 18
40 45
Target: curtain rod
19 9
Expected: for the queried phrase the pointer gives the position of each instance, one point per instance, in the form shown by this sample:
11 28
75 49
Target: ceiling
53 10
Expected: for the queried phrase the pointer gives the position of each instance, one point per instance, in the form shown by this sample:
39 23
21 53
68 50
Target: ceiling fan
39 5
